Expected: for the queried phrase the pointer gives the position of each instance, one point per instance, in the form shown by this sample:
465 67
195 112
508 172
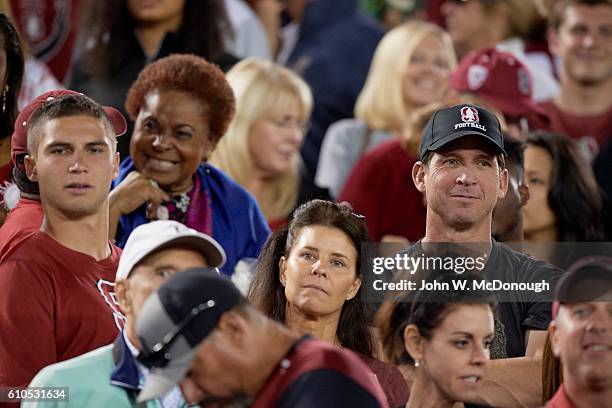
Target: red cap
19 140
586 280
499 78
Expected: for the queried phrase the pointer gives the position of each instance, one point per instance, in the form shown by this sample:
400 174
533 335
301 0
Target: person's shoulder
31 243
390 150
344 128
520 259
220 180
74 370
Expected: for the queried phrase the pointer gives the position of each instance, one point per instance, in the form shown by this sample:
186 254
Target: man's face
584 44
218 369
74 165
148 275
508 213
462 182
581 337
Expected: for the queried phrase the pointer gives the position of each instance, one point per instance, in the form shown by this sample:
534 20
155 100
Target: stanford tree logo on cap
469 117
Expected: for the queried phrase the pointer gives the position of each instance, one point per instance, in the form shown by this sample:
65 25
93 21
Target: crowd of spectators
193 195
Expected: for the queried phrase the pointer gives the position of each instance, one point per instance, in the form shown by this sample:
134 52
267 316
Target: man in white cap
111 375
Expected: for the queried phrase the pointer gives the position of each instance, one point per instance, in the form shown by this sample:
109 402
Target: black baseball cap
449 124
589 279
175 319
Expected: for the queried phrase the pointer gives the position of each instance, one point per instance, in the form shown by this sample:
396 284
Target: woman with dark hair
181 106
565 203
444 336
120 37
11 75
309 277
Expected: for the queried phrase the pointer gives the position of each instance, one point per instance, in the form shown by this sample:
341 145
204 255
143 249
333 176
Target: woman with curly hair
120 37
181 106
11 75
309 277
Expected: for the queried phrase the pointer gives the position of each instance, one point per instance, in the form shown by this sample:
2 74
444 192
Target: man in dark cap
462 173
197 329
581 334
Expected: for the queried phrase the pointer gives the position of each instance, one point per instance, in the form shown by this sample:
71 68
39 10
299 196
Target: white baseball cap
155 235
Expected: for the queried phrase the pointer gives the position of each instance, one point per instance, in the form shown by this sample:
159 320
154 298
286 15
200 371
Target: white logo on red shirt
107 290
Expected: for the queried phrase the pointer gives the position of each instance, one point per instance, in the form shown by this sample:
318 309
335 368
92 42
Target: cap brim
463 133
161 380
212 251
117 120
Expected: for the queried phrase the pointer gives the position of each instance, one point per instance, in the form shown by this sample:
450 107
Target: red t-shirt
22 221
380 187
56 304
592 131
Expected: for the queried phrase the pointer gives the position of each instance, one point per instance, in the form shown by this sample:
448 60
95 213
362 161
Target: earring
416 364
6 88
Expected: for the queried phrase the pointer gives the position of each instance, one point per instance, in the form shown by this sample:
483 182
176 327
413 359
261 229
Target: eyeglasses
159 356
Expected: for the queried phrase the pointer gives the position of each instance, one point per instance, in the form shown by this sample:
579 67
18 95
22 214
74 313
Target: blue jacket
333 54
237 221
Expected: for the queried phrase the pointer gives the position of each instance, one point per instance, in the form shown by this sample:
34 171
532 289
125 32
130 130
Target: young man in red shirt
581 37
55 285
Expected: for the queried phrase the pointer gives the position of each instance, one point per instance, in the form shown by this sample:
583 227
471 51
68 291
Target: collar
125 374
560 399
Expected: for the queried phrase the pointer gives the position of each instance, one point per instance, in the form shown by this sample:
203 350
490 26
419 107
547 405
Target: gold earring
6 88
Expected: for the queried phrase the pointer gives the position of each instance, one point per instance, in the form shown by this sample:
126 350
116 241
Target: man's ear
123 295
418 176
30 168
233 327
413 342
503 184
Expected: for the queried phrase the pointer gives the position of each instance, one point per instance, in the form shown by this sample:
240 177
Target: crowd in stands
194 195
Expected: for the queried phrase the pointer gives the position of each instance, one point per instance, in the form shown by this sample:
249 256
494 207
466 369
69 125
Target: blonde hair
381 102
522 15
261 87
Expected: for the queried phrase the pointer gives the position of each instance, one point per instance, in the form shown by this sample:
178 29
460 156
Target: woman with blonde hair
261 149
410 69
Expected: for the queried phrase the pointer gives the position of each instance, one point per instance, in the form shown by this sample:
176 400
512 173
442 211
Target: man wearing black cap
197 329
581 335
52 306
462 174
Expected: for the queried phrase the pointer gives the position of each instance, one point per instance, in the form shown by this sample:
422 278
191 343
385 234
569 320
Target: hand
135 190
